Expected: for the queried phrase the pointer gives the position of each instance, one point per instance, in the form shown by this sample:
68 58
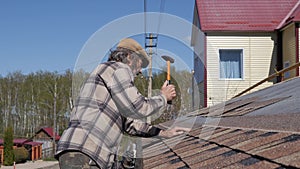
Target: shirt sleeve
139 128
130 102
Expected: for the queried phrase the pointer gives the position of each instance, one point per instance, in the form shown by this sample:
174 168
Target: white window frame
242 63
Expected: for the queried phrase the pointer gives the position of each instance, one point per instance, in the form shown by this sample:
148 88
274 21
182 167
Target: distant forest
29 102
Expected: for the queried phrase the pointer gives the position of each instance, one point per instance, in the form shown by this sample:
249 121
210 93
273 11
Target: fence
279 73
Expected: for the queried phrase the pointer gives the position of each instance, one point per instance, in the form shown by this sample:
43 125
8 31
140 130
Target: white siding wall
289 47
257 60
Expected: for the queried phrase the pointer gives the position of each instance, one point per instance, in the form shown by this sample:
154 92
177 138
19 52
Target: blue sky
49 35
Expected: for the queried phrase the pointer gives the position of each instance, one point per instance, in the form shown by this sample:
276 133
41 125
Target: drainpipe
297 46
279 64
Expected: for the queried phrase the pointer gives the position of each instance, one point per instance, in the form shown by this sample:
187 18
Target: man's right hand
168 91
175 131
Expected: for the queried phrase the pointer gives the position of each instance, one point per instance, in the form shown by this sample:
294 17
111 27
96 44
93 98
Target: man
108 106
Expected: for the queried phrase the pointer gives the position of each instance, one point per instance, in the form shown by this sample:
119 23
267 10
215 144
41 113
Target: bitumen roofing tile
262 144
201 158
206 131
197 149
291 159
258 139
168 160
252 165
247 135
169 166
281 150
191 144
230 134
262 150
220 161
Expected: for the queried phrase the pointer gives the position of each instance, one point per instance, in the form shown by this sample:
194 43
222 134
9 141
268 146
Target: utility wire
145 16
154 34
161 10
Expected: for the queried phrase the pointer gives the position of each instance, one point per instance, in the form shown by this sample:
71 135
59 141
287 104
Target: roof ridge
288 15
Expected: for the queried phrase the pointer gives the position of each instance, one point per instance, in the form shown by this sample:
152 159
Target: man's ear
129 59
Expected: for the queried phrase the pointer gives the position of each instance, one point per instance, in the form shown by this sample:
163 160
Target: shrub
9 157
21 154
49 159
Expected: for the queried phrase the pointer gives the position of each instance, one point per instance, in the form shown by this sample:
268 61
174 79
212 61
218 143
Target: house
34 148
40 146
45 136
256 130
238 43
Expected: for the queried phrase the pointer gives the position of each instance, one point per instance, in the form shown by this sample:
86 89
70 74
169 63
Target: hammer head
168 58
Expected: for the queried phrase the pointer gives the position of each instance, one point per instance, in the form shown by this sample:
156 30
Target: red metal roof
295 15
244 15
21 141
49 132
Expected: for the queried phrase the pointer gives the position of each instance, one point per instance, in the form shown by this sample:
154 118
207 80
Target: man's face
138 67
135 65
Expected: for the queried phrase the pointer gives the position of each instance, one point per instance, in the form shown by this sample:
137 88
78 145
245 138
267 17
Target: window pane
230 64
287 74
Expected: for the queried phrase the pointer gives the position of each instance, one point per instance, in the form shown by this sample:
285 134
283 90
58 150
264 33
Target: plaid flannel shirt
108 105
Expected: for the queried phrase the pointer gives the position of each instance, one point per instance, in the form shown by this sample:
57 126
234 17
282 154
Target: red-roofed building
34 148
46 132
238 43
45 135
246 15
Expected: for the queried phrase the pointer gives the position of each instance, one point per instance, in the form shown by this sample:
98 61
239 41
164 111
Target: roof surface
49 132
295 15
21 141
244 15
258 130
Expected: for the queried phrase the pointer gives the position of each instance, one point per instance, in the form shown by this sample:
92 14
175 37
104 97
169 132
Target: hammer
169 60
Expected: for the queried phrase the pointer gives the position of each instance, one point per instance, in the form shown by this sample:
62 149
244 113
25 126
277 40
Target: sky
51 35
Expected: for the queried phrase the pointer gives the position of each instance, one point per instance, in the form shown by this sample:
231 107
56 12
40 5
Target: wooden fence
279 73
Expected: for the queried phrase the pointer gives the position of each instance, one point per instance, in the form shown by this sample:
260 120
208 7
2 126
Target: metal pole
54 115
150 73
150 67
193 99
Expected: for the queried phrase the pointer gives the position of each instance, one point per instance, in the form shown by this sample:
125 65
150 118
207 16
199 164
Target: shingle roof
243 15
258 130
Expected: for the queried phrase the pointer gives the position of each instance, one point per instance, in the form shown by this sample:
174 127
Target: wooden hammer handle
168 71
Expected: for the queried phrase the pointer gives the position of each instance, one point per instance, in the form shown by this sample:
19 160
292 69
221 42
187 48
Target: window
231 66
287 74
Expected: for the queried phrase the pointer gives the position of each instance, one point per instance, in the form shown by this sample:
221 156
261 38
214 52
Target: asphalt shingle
258 139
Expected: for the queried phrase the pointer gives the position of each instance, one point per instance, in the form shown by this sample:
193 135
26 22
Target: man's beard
134 69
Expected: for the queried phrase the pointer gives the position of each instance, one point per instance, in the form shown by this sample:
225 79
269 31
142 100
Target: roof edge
283 22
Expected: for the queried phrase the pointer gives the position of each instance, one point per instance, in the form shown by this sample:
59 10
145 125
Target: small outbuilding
34 148
45 135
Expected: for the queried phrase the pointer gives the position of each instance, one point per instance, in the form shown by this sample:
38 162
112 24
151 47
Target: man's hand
168 91
173 132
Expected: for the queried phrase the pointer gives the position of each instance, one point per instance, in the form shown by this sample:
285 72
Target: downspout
279 65
297 46
205 70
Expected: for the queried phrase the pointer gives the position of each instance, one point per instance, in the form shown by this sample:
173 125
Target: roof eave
235 31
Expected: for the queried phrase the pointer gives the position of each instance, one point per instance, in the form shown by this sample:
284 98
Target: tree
27 101
182 104
9 157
